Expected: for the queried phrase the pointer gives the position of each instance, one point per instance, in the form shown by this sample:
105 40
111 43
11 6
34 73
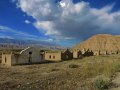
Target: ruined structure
26 56
77 54
58 55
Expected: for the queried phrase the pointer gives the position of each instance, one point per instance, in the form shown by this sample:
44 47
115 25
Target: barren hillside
101 42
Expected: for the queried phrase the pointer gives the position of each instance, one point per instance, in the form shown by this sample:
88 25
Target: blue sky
64 22
14 18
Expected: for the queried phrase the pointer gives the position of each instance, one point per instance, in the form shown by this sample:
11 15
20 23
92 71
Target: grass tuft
73 66
117 67
101 82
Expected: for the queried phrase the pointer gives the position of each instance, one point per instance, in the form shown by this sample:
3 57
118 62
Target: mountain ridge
7 42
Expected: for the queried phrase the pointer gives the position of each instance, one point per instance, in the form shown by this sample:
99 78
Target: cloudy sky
65 22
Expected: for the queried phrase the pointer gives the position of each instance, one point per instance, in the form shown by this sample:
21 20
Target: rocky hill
101 42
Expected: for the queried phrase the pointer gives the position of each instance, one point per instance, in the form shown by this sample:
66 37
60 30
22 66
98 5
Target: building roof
24 50
15 51
56 51
53 51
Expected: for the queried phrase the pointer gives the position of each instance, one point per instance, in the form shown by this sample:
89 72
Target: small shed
88 53
58 55
96 52
103 52
77 54
112 52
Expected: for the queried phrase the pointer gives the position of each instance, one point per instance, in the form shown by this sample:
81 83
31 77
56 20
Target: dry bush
101 82
73 66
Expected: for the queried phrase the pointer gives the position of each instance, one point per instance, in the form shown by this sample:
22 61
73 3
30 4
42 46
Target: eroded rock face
101 42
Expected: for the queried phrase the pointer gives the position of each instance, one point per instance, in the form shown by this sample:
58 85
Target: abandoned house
77 54
57 55
104 52
112 52
26 56
88 53
96 52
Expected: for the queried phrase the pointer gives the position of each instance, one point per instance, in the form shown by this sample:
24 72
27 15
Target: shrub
54 69
101 82
73 66
117 67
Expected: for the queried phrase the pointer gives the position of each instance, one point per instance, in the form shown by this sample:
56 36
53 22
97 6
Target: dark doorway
42 53
49 56
30 53
53 57
67 57
30 57
42 56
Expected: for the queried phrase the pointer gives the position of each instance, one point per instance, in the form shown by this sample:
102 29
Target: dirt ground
116 82
53 76
50 76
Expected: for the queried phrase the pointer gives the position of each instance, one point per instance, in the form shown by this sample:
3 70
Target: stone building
96 52
28 55
88 53
77 54
103 52
57 55
112 52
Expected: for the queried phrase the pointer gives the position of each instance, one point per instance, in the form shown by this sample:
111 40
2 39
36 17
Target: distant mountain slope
100 42
16 43
22 42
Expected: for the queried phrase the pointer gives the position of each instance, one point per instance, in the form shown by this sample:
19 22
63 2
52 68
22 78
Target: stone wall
6 59
53 56
77 54
67 55
28 57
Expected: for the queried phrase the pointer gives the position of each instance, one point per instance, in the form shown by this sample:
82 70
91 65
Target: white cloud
27 22
50 40
47 26
66 19
62 4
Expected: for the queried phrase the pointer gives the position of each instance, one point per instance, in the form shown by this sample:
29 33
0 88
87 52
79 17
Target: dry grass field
66 75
